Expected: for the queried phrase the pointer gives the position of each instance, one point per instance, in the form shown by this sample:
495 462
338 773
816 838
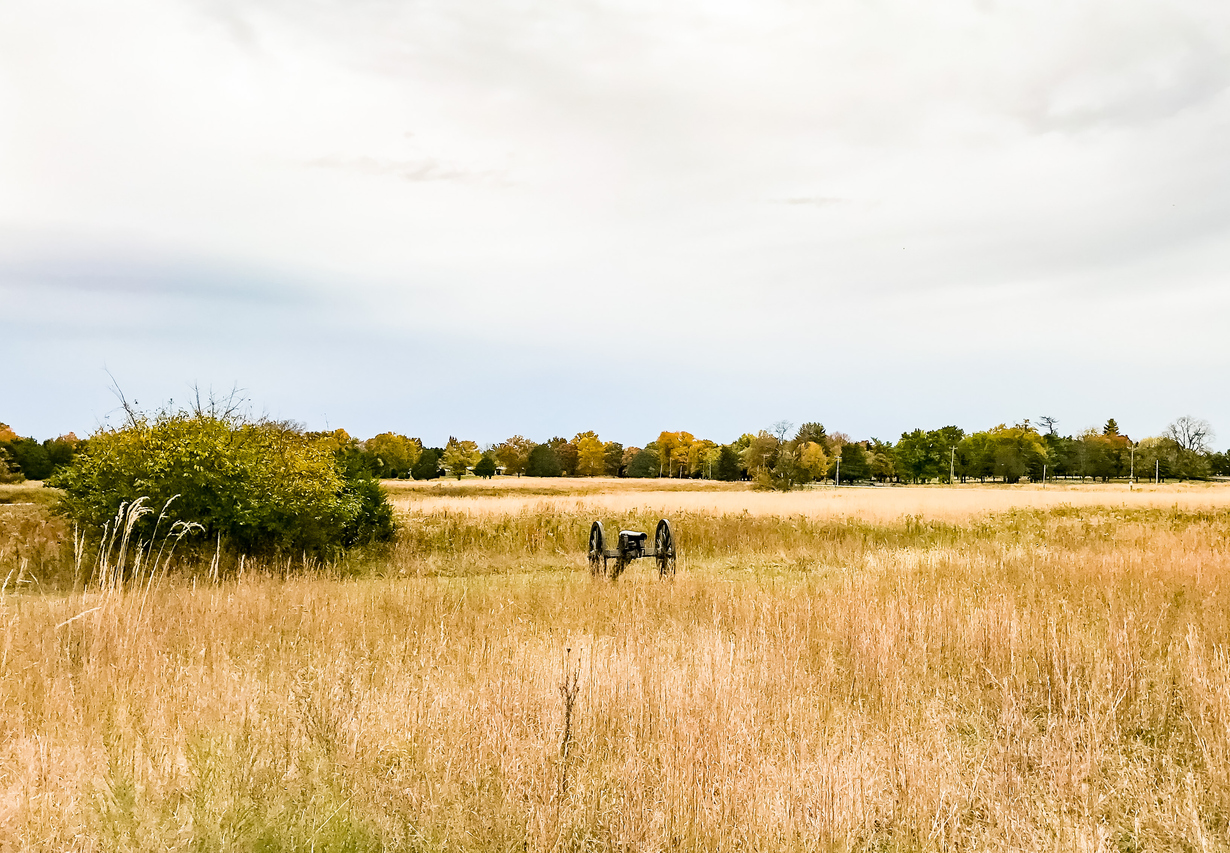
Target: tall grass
1043 679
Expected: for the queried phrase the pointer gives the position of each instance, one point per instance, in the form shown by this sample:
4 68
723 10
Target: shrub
259 487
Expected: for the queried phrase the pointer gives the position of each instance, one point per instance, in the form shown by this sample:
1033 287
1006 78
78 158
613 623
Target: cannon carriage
631 545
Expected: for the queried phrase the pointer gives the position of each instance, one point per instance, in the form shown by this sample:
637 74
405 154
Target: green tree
62 450
917 456
612 458
31 457
1017 451
644 464
729 464
1190 438
945 441
543 462
854 465
882 461
486 466
812 432
428 465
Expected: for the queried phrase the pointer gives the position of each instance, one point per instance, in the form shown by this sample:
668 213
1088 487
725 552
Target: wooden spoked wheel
664 549
597 556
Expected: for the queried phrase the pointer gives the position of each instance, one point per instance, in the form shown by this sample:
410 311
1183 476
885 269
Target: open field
884 503
825 673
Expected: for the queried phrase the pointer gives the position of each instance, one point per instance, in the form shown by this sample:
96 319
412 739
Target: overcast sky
484 218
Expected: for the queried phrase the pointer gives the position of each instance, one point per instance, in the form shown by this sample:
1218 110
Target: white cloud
725 191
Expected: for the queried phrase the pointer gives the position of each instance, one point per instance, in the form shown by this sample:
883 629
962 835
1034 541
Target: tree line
779 457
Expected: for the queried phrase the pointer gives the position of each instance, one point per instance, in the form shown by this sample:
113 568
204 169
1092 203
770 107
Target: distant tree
591 455
1048 423
854 465
1192 434
917 456
836 441
513 454
1219 464
813 461
630 453
667 444
945 440
1191 437
729 464
1018 451
393 455
612 458
428 465
7 434
812 432
566 453
644 464
62 450
1111 428
703 456
1096 458
761 453
785 474
31 458
9 472
460 456
543 462
683 457
882 461
486 466
975 457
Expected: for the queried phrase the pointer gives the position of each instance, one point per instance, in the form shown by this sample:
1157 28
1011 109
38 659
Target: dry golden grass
883 503
1038 679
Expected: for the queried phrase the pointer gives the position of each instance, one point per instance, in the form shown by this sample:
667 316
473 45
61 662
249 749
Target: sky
494 217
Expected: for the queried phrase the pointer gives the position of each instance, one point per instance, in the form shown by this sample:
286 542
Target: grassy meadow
856 669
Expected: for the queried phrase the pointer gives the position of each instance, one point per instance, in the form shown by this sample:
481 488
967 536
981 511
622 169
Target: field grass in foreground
1054 679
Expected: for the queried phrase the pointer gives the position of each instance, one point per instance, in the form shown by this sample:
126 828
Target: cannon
630 546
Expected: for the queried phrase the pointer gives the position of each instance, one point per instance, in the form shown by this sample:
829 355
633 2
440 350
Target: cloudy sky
508 216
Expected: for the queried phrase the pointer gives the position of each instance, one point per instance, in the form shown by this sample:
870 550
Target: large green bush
260 487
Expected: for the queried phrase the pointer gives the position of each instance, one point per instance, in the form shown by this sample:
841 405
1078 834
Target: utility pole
952 466
837 478
1044 475
1132 475
1157 470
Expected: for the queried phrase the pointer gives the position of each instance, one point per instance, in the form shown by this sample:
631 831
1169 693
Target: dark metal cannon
631 545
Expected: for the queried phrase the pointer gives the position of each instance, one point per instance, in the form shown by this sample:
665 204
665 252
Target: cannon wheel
664 548
597 556
623 560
